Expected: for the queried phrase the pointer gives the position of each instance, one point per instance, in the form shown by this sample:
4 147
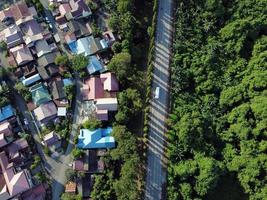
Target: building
52 139
110 104
46 59
97 139
21 54
88 46
94 65
5 128
92 89
57 89
45 112
12 182
79 10
71 187
13 36
110 82
6 113
42 48
40 94
31 80
18 151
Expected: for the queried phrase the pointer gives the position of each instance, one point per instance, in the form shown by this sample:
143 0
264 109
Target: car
156 94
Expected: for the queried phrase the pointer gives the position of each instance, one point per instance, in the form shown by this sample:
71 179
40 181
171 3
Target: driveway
157 162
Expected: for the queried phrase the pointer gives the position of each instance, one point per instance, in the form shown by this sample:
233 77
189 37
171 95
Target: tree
120 64
92 124
77 153
23 91
70 175
79 62
130 105
68 196
62 60
116 47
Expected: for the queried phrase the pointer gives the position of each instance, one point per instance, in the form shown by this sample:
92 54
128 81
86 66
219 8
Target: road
157 162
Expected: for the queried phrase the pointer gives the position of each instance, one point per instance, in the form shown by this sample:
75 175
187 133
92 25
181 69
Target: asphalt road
156 163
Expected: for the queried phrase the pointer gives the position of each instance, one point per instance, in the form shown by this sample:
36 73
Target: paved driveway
156 164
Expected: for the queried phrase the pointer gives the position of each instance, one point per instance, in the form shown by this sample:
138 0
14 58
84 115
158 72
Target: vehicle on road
156 94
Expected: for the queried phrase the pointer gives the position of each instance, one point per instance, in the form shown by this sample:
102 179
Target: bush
92 124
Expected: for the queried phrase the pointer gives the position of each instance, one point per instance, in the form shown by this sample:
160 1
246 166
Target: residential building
12 182
18 151
88 46
40 94
57 89
97 139
42 48
46 59
92 89
13 36
94 65
6 113
52 139
21 54
31 80
71 187
110 104
6 128
110 82
45 112
79 10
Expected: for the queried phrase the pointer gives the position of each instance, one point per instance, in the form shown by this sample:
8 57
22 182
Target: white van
156 94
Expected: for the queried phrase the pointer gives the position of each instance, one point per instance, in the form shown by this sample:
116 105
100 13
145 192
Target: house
12 182
71 187
62 112
18 150
45 112
97 139
79 9
94 65
110 104
40 94
5 14
43 72
57 89
20 12
92 89
6 113
109 37
79 28
32 32
52 139
88 46
70 37
36 193
46 72
42 48
64 8
62 22
3 140
31 80
13 36
46 59
110 82
5 128
102 115
21 54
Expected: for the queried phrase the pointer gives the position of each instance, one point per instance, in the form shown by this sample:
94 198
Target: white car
156 94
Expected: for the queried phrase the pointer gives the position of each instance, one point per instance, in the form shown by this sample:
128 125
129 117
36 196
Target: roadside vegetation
124 174
219 84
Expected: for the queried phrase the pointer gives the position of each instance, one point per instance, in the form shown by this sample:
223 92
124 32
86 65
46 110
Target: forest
218 124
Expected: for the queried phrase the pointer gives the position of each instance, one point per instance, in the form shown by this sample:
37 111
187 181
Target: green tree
23 91
120 64
92 124
79 62
62 60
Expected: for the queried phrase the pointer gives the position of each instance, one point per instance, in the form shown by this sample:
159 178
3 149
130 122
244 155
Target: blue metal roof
99 138
31 80
73 47
94 65
6 112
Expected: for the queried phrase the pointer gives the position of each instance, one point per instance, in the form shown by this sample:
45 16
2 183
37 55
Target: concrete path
156 164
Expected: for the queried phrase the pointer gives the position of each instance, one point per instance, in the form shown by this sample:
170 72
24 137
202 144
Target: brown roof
20 10
70 187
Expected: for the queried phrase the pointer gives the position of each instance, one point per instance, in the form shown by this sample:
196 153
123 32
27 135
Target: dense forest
218 124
